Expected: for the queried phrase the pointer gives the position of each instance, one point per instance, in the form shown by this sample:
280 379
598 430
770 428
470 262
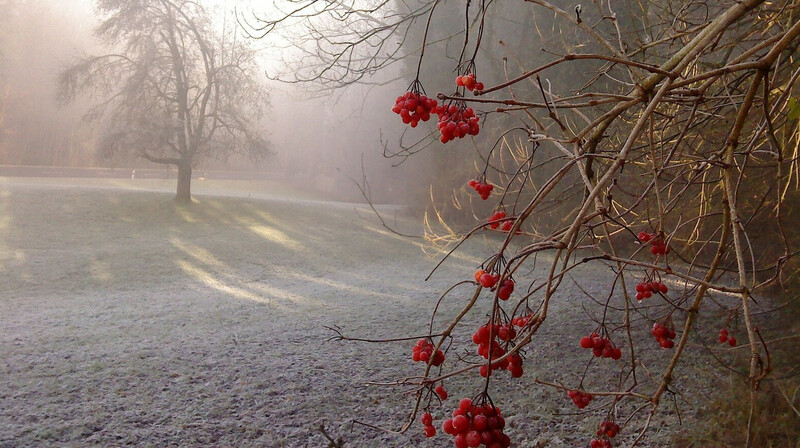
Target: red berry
427 419
587 342
488 280
474 439
732 341
479 422
430 431
460 424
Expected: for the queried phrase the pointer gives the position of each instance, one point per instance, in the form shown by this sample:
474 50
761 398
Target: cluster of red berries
486 279
456 122
515 366
608 429
469 82
483 189
581 399
508 225
663 335
601 347
521 321
505 289
505 332
427 420
494 220
723 338
657 244
423 351
441 392
645 290
413 107
476 425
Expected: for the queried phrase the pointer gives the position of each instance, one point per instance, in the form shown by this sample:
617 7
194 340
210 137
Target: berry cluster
441 392
657 244
494 220
581 399
601 347
663 335
723 338
505 289
456 122
427 420
413 107
515 366
486 279
422 353
608 429
521 321
469 82
645 290
483 189
476 425
505 332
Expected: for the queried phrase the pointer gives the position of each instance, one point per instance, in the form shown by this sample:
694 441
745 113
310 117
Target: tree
176 92
665 151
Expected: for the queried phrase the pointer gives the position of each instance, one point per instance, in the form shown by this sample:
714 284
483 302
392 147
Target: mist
331 143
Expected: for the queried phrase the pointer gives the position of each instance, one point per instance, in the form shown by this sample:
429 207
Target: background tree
176 91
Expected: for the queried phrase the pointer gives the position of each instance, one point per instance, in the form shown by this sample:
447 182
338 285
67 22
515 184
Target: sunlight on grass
101 270
186 214
426 248
209 280
276 236
254 292
354 289
200 254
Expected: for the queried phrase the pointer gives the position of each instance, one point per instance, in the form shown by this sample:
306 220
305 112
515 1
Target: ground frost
130 321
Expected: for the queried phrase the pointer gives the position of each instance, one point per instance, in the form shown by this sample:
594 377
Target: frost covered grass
129 320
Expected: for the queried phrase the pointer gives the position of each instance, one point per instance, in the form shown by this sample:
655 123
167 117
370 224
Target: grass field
128 320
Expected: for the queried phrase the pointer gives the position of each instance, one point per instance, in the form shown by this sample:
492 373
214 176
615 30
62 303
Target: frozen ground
126 320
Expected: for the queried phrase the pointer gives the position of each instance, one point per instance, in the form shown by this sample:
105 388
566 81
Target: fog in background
318 143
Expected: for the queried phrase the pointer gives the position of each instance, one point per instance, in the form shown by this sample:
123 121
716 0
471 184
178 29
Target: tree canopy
176 89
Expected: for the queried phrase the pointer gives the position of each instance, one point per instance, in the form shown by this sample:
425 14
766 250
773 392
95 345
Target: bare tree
176 91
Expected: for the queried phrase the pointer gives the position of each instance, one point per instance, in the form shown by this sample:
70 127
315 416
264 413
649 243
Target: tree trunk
184 193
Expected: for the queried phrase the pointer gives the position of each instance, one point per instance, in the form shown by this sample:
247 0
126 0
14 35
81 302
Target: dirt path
128 321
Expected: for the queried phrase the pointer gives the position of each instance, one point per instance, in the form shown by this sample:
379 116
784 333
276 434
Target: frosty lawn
126 319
